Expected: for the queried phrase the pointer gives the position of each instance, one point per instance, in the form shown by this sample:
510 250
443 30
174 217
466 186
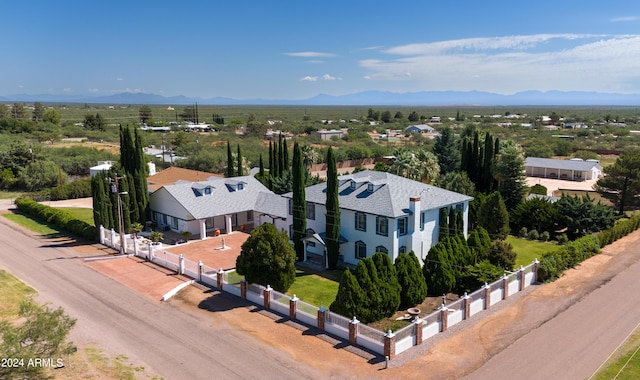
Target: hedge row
555 262
622 228
80 188
57 217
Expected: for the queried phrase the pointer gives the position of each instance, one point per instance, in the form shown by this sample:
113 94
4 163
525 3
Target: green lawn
12 292
314 289
528 250
625 363
84 214
32 224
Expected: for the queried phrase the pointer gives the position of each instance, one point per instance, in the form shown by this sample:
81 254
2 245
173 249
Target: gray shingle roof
552 163
223 198
390 195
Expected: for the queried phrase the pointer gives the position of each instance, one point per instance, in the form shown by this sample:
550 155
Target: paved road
575 343
172 342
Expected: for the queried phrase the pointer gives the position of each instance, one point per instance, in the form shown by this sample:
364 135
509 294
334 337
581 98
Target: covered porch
315 250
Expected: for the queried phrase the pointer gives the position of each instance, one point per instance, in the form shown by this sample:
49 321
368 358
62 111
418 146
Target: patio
210 251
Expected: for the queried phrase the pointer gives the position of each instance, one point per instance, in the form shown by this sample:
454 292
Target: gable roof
388 196
223 196
421 128
174 174
552 163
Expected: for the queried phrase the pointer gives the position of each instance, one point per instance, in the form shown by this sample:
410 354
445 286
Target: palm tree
418 166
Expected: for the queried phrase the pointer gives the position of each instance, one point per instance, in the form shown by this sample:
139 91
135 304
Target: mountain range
364 98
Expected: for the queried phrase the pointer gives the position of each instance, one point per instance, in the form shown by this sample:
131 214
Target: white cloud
315 61
325 77
625 19
119 79
67 89
367 77
93 90
309 54
512 64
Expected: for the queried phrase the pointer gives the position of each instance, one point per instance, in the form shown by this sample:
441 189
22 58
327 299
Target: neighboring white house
574 169
379 212
104 166
419 128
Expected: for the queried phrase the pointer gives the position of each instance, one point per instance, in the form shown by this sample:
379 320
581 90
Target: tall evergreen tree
350 299
487 165
437 270
140 173
285 154
240 171
447 151
230 172
510 171
413 288
494 217
299 203
133 199
282 165
261 168
367 277
389 286
333 211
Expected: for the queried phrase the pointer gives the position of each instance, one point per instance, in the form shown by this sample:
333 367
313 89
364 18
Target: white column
203 229
228 225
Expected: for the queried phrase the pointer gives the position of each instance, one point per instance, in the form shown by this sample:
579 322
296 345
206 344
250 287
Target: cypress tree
367 278
443 222
282 166
133 198
453 222
285 154
487 165
230 172
261 171
413 288
437 270
276 162
240 169
389 287
350 297
475 159
299 203
332 228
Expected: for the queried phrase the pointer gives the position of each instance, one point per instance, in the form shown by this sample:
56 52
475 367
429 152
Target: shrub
533 235
562 239
502 255
60 218
523 232
544 236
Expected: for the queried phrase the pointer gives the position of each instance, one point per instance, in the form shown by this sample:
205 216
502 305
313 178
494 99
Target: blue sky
297 49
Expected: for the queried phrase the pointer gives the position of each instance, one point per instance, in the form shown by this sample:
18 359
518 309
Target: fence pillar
467 305
200 270
243 289
487 296
390 344
444 318
113 238
522 278
135 246
417 330
505 287
181 264
322 316
353 330
101 234
266 294
293 307
150 254
536 266
219 279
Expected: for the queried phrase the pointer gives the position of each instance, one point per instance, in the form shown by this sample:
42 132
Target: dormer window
240 186
207 191
353 185
370 187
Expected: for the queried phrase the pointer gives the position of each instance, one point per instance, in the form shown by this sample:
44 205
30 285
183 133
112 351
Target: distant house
325 134
574 126
574 169
104 166
419 128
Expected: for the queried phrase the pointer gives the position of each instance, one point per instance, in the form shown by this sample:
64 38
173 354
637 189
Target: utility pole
114 189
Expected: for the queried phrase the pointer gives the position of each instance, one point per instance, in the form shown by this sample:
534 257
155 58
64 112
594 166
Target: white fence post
181 264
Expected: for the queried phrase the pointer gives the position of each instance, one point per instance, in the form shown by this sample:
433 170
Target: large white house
379 212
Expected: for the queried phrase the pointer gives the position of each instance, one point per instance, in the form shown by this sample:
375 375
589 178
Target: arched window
382 248
361 250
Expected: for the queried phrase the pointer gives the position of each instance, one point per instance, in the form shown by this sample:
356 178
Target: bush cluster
77 189
57 217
